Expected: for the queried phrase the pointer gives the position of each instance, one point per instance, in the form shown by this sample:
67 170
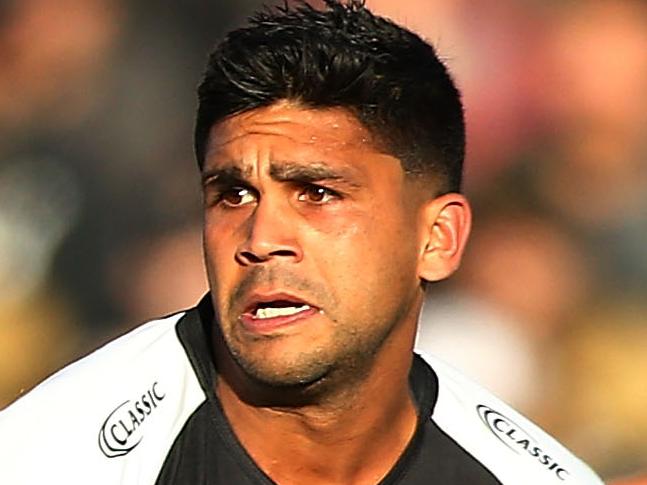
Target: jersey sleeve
513 448
109 418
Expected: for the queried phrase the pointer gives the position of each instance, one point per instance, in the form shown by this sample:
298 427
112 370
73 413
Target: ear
445 224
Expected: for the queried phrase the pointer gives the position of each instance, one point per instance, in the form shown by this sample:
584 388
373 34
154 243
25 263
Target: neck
352 436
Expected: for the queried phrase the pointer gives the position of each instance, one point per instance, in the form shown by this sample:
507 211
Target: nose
270 234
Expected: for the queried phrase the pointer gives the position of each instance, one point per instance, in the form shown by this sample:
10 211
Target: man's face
310 238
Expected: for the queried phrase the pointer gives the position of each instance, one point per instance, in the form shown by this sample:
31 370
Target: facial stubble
341 360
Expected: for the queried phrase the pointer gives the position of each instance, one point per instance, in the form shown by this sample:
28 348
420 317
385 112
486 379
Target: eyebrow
297 172
227 173
281 171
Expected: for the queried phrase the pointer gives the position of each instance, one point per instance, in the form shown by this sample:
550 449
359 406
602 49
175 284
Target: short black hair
341 56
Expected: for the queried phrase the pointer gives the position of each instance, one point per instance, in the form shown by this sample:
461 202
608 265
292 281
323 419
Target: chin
285 374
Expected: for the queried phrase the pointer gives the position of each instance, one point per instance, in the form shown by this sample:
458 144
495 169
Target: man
330 145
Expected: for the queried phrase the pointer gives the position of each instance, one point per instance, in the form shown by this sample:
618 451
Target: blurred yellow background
100 202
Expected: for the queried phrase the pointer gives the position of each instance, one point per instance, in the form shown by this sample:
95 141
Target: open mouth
268 312
278 308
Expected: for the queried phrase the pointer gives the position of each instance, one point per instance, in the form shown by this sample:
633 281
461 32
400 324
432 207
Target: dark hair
342 56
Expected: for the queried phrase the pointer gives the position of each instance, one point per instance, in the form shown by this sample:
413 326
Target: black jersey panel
433 456
195 331
200 456
442 461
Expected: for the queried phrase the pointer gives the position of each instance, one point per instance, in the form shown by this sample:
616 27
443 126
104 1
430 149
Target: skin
301 202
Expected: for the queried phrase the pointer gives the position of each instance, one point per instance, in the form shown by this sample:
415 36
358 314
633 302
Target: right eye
236 197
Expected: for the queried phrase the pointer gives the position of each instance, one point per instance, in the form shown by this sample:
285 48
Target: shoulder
130 394
513 448
116 364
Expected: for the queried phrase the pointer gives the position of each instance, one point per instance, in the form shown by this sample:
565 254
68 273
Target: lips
270 311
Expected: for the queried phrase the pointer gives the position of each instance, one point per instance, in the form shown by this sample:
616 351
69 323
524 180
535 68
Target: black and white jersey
142 410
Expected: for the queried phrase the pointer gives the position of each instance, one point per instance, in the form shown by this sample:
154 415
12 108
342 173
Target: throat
332 444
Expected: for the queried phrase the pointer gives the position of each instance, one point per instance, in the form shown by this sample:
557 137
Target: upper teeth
271 312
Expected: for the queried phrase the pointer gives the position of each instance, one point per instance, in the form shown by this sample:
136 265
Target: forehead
287 130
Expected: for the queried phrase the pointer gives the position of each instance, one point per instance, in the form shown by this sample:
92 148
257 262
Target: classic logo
122 430
514 437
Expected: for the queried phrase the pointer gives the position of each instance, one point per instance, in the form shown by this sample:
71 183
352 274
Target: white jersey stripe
514 449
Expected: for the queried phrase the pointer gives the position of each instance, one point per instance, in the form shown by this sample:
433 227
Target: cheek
219 252
373 245
210 243
221 234
329 222
221 273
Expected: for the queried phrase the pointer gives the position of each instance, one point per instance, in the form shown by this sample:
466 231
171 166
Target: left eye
316 194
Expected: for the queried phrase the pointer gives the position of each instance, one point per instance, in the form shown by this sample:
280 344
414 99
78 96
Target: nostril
283 252
250 257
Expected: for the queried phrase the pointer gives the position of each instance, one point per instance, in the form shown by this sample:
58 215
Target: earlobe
445 225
